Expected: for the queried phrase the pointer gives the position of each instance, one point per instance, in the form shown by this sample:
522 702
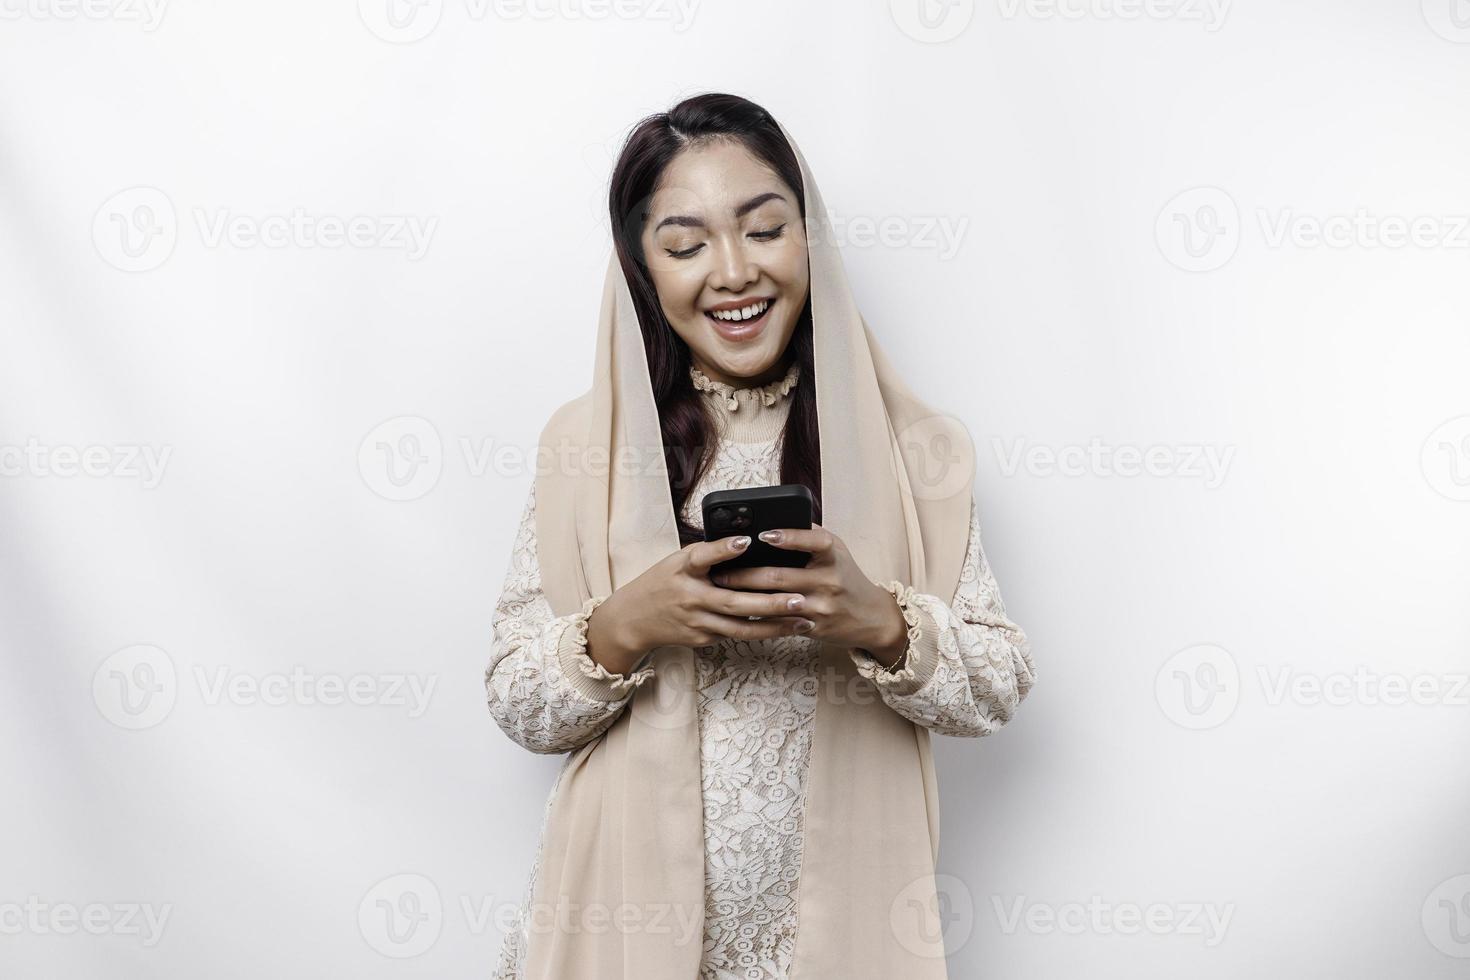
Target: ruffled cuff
916 665
586 675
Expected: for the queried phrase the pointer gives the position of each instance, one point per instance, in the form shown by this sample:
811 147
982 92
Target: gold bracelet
903 594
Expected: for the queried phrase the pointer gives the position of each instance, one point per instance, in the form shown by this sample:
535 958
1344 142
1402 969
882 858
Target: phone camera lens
720 515
740 522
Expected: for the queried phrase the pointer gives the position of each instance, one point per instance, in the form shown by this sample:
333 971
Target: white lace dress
966 669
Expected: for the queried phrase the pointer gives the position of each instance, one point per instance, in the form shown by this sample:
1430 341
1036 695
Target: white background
1329 379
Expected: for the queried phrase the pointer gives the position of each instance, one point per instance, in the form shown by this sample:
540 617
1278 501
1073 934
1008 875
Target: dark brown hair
684 421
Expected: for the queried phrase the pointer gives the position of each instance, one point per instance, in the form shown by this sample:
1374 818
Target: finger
702 555
775 578
817 540
728 602
734 628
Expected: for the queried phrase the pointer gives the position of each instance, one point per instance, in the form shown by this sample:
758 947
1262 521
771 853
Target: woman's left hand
848 608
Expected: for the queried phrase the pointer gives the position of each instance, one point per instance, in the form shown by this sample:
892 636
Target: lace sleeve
542 687
967 667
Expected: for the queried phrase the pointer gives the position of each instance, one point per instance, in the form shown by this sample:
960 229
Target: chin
748 364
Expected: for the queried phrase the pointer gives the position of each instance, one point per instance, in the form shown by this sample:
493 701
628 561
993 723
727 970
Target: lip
739 304
745 330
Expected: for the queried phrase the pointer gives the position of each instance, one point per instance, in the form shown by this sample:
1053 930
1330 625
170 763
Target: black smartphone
730 512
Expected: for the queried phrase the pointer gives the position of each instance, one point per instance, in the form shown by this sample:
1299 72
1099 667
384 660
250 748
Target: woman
749 791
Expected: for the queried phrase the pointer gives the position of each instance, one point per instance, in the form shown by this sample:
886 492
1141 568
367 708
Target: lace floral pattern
970 667
964 672
533 699
756 703
512 962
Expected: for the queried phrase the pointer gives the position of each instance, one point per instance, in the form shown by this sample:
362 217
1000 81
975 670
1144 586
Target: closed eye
769 235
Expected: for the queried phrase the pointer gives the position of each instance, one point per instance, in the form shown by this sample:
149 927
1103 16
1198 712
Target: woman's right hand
674 603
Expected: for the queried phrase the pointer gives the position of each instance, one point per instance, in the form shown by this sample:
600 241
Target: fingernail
719 579
795 602
804 625
740 543
770 537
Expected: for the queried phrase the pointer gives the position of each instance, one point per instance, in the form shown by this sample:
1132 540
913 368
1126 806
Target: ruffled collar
732 398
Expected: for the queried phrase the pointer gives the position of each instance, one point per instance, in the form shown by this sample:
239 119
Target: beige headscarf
620 888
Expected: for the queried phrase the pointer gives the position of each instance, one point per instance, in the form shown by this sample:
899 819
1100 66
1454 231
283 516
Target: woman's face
727 251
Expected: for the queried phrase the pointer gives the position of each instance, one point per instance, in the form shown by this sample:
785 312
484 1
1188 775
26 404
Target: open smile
734 322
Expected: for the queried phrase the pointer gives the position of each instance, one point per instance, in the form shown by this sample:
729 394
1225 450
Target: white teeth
743 314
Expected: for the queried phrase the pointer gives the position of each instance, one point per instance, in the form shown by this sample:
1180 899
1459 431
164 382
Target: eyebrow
685 221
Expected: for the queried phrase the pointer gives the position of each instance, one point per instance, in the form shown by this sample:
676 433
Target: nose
733 268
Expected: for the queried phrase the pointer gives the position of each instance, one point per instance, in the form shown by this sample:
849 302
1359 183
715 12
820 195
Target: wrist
605 639
888 637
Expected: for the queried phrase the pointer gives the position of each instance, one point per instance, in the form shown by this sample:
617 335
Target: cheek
792 268
677 292
794 277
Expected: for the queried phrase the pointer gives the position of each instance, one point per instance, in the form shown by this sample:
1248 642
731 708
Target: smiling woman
749 791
